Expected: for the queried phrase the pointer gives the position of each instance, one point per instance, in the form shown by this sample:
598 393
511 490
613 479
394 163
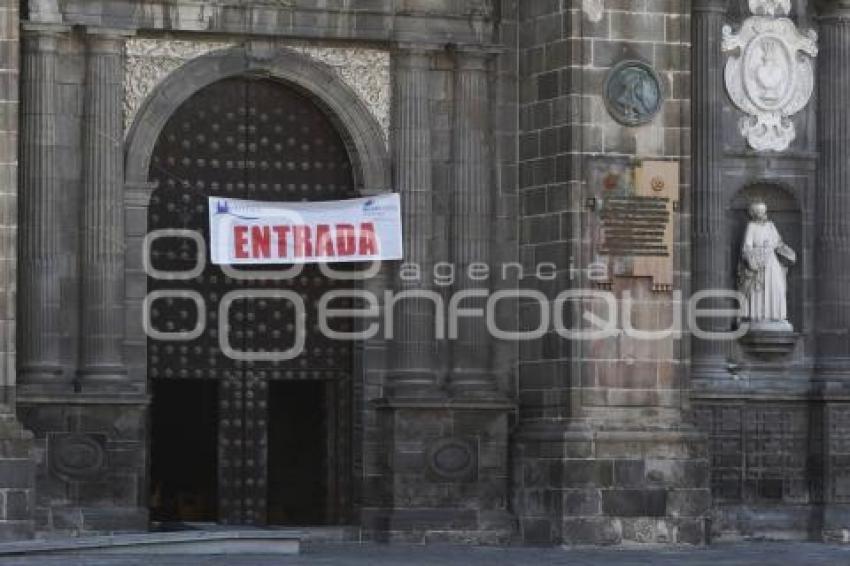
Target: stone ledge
198 543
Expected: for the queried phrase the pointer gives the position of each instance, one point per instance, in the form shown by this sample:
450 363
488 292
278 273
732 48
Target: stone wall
16 462
500 143
602 454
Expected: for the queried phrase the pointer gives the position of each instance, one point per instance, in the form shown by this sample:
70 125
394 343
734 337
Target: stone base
770 339
17 481
74 521
90 462
192 543
424 526
765 521
444 472
587 486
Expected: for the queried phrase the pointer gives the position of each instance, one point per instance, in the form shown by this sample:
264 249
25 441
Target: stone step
309 534
218 542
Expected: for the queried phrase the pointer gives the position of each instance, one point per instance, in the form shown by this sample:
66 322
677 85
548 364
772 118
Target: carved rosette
769 74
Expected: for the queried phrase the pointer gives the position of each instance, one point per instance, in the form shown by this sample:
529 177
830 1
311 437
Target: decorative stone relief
769 73
366 71
770 7
451 459
76 456
149 61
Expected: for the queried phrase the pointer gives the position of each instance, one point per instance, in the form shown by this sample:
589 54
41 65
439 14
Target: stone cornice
383 22
710 6
42 28
828 9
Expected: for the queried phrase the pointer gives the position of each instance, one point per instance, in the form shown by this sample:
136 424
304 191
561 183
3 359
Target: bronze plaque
634 227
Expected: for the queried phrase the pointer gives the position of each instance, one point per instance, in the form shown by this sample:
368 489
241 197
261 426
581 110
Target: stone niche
784 212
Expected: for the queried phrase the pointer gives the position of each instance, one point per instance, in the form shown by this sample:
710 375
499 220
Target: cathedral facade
576 177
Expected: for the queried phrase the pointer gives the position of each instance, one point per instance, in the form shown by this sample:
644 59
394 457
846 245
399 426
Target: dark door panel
255 139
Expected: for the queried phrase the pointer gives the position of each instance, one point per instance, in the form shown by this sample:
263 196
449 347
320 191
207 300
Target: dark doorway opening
247 138
184 432
297 451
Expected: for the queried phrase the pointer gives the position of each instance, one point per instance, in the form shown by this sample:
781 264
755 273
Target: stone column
833 210
40 214
413 370
832 221
102 226
471 206
708 207
9 44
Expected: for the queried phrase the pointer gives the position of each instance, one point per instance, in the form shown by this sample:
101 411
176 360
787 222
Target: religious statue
762 272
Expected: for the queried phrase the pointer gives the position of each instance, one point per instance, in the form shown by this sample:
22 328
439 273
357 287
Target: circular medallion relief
77 456
451 458
633 93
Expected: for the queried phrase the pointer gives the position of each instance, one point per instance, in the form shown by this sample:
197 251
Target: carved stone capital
415 55
474 57
107 41
701 6
41 29
42 38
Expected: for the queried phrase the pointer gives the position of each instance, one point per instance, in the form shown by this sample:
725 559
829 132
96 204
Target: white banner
244 232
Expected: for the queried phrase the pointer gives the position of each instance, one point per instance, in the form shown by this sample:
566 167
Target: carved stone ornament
770 7
365 70
451 459
76 456
769 73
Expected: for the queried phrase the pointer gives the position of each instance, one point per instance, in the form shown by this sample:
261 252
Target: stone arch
362 133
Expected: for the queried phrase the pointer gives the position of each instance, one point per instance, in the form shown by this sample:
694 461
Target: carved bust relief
633 93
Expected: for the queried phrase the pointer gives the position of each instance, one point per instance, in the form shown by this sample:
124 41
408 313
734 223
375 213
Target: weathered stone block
537 531
18 505
582 502
634 502
629 473
601 531
688 502
17 473
591 473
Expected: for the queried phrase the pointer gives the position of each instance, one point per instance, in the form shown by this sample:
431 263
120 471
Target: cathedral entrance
237 441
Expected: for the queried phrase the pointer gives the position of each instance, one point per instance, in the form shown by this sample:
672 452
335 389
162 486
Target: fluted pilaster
102 248
833 199
710 270
471 208
414 348
40 215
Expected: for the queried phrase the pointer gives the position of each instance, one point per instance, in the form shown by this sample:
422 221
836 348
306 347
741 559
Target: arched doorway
231 441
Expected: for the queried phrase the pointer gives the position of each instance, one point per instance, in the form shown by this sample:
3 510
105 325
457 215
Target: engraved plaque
634 225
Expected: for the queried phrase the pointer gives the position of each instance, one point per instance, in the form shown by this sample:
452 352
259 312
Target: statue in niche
763 271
